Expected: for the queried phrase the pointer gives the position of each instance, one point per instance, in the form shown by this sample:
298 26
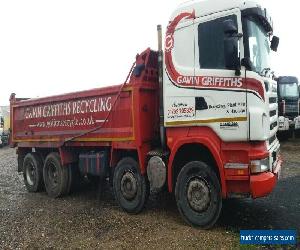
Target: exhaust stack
160 81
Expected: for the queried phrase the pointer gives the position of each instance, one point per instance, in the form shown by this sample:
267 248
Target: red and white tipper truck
198 118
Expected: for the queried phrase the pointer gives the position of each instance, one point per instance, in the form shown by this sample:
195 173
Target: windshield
259 46
288 90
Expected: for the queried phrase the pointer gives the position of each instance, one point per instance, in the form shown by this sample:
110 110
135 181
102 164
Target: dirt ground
86 220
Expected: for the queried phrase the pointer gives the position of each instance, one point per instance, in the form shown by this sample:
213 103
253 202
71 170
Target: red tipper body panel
58 118
119 116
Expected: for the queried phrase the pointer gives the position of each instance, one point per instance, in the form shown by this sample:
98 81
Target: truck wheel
131 189
198 195
56 176
33 172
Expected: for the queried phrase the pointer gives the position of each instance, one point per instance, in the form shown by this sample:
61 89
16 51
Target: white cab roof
206 7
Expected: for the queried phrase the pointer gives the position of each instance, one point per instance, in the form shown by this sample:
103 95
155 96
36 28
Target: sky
51 47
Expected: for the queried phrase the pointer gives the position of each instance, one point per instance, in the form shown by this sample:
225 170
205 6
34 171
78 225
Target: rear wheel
56 176
33 172
198 195
131 189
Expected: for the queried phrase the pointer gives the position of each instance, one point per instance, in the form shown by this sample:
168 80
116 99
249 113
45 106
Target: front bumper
263 184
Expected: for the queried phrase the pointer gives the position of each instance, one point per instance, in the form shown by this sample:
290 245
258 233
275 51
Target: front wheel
131 189
198 195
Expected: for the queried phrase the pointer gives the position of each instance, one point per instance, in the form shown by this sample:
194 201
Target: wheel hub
198 195
129 186
30 174
53 175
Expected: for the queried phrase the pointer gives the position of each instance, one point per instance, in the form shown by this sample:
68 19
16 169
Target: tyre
33 172
198 195
131 189
56 176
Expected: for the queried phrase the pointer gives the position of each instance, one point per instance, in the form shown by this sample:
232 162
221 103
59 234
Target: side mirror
246 62
274 43
231 39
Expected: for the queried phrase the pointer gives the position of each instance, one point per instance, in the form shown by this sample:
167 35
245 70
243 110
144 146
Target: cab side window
211 43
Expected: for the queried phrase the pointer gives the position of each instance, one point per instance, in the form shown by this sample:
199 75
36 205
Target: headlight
259 166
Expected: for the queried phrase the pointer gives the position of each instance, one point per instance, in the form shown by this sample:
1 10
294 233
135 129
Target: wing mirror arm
231 48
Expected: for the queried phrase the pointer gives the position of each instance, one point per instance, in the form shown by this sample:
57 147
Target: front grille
272 113
273 110
291 116
273 125
272 100
291 107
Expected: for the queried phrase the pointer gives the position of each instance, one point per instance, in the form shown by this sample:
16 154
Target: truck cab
217 63
4 133
2 138
220 94
288 103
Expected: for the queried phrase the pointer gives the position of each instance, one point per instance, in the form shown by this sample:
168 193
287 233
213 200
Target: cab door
221 95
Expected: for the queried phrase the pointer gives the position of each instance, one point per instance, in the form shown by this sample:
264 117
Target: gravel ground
86 220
